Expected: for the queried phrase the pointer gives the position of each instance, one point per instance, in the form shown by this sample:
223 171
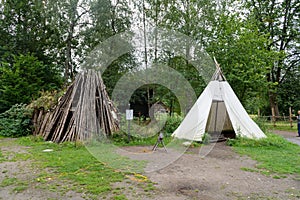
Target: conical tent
84 111
217 111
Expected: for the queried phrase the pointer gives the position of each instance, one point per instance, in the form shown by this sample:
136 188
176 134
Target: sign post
129 117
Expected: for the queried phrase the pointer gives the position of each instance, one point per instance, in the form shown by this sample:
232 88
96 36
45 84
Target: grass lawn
281 125
72 167
275 155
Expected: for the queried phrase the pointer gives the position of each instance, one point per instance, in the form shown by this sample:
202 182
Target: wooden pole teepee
83 112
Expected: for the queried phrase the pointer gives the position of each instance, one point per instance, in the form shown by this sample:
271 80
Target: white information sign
129 114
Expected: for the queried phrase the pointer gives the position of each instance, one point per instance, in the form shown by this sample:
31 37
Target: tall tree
108 18
26 64
82 25
240 49
23 29
288 91
189 17
69 19
280 19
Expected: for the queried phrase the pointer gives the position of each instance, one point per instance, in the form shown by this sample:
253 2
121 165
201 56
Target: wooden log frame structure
84 111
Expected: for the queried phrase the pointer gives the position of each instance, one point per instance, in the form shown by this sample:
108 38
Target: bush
21 80
15 122
172 124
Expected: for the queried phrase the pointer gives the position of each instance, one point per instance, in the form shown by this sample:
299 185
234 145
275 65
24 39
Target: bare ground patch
218 175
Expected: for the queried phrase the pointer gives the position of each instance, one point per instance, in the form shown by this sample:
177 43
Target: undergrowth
121 139
15 122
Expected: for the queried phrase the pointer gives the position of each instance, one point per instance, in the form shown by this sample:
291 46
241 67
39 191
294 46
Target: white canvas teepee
217 109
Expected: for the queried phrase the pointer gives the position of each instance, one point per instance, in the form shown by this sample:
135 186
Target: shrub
171 124
22 80
15 122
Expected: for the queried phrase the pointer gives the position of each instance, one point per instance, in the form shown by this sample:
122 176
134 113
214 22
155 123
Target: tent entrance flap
218 124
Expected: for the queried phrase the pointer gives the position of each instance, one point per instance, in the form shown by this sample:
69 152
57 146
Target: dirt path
216 176
290 136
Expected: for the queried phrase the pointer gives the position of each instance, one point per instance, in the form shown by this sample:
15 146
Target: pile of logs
85 111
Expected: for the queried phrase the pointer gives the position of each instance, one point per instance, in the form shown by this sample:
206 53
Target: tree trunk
273 102
146 57
68 65
171 108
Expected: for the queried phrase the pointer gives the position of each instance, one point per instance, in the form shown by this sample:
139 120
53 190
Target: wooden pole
273 117
291 115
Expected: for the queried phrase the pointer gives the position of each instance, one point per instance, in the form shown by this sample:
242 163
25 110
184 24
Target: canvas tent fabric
217 109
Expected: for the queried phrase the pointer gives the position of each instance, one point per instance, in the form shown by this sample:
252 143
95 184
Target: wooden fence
288 119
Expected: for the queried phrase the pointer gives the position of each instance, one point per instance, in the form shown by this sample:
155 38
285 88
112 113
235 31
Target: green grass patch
281 126
249 169
2 158
20 188
20 157
76 164
8 181
8 142
19 185
120 197
106 153
274 153
72 163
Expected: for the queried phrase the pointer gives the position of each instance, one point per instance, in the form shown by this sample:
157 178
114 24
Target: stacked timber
83 112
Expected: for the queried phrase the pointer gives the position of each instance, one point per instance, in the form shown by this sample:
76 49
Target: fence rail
289 120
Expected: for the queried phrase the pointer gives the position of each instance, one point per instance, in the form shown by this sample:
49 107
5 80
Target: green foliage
15 122
22 81
279 20
274 154
23 29
244 57
121 139
172 124
47 99
288 92
206 138
8 181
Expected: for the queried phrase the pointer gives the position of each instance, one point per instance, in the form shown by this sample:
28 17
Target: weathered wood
84 111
